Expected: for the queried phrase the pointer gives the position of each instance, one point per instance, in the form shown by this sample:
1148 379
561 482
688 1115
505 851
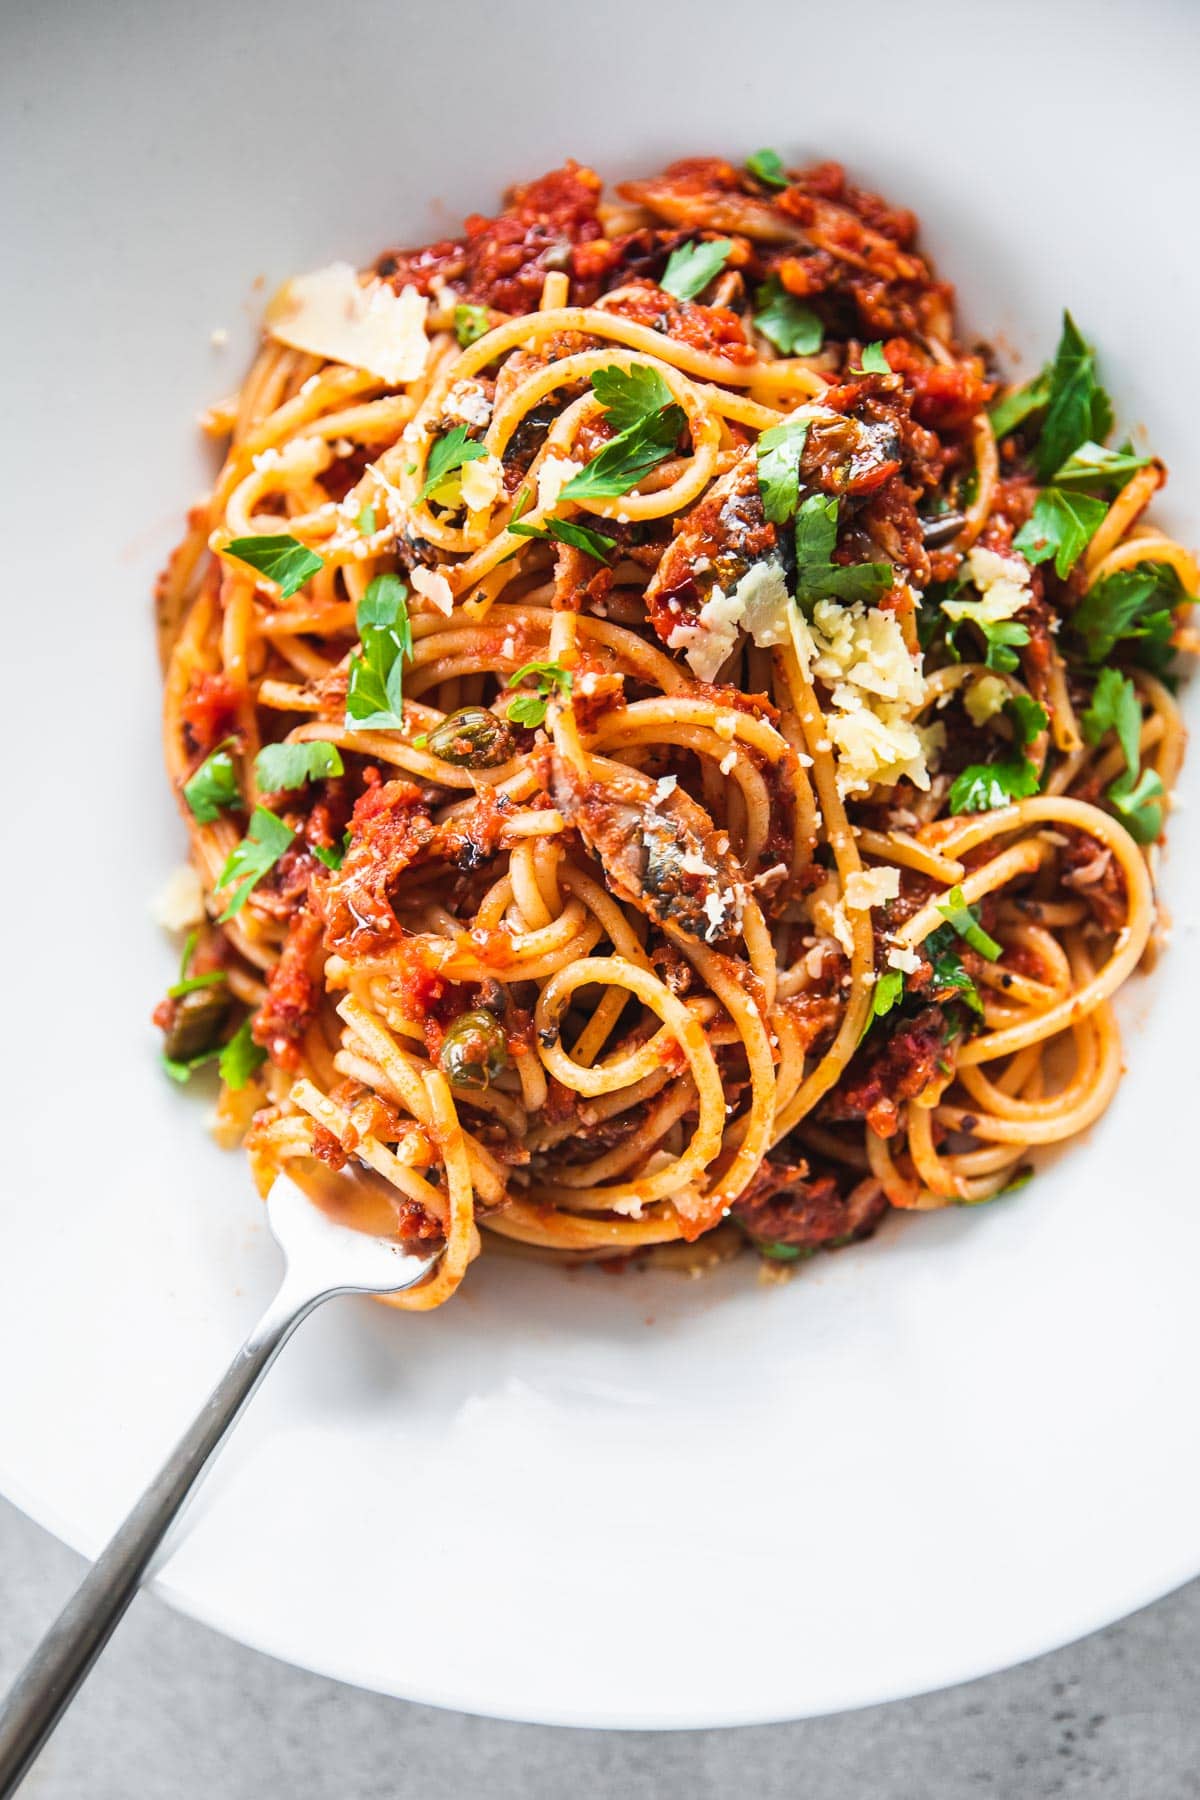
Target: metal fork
322 1258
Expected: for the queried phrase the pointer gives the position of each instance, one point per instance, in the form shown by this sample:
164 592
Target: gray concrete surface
174 1712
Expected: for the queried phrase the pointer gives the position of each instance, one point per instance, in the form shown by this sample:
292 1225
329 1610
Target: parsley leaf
1062 526
630 395
1078 410
254 857
1134 603
239 1058
1092 466
1138 801
690 268
214 786
628 457
565 531
366 521
887 992
794 329
982 787
1028 719
448 454
281 558
779 451
965 921
1115 707
530 708
767 166
280 767
1021 404
950 979
182 1071
817 577
874 362
374 691
471 323
1000 635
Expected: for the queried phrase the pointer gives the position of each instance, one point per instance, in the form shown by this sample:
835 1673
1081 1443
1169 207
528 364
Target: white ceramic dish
606 1501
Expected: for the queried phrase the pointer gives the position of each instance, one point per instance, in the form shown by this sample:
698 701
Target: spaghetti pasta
672 748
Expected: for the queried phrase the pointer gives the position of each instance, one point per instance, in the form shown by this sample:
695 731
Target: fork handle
57 1667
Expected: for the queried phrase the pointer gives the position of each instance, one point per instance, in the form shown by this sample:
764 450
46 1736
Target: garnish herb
239 1058
1092 466
280 767
281 558
189 984
982 787
767 166
1028 719
817 577
1139 804
214 786
779 451
965 921
793 328
449 454
1061 527
887 992
631 395
1134 604
874 362
565 531
1136 795
629 456
1020 405
530 708
950 979
1078 411
374 691
999 635
366 521
690 268
255 856
471 323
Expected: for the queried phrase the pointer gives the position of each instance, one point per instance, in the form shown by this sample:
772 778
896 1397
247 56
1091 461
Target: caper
472 738
197 1024
474 1050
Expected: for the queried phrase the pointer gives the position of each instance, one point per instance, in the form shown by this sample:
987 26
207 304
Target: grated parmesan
876 687
907 961
481 482
866 888
434 587
553 477
179 903
366 325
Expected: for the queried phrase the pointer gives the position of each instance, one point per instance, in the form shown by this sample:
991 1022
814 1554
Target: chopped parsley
1028 719
793 328
450 453
1021 404
635 450
965 921
238 1059
1137 794
280 558
1092 466
1138 802
471 323
214 786
767 166
566 531
255 856
1062 526
874 362
1078 411
630 396
280 767
529 708
779 451
690 268
982 787
887 993
950 979
374 691
1002 637
366 522
817 577
1134 604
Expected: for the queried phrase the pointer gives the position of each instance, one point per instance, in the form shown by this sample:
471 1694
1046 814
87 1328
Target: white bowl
579 1499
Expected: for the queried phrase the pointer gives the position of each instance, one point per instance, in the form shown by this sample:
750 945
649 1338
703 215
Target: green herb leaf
565 531
239 1058
628 457
449 453
1062 526
281 558
767 166
965 920
183 1071
631 395
530 708
254 857
1078 410
793 328
214 786
874 362
366 522
690 268
1092 466
471 323
1115 707
374 698
278 768
1138 801
1136 604
949 980
985 786
190 983
817 578
1020 404
887 992
1028 719
779 451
